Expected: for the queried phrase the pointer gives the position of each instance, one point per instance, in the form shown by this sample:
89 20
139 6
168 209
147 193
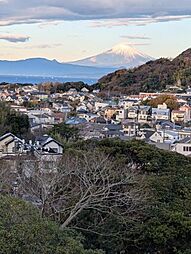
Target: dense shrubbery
22 231
64 133
11 121
169 100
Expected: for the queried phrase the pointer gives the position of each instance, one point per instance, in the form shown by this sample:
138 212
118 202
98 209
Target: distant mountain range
120 56
43 67
154 76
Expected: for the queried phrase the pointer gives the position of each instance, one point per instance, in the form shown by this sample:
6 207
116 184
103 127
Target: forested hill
153 76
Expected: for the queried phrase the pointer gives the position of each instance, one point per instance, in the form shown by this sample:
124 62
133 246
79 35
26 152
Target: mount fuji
120 56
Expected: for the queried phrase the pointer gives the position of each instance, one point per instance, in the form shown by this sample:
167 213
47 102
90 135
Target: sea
37 79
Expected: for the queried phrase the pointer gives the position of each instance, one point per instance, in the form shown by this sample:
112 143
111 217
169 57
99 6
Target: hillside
153 76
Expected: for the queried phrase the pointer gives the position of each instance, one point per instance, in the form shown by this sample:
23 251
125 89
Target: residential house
100 105
145 134
187 109
127 103
40 95
164 136
11 145
110 113
178 116
170 136
84 90
144 114
99 120
183 147
113 131
92 131
133 113
130 128
71 91
48 145
156 137
64 108
161 113
88 116
59 117
121 114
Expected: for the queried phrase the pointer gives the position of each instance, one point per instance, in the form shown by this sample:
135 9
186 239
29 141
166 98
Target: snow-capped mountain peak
125 50
121 55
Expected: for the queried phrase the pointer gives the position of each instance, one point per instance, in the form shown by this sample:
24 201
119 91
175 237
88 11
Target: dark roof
115 133
100 120
52 140
113 127
82 111
42 139
7 135
148 133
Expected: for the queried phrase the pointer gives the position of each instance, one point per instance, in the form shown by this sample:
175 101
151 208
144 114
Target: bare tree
89 181
8 177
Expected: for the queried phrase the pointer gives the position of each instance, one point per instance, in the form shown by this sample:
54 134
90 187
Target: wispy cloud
44 46
135 37
14 38
136 44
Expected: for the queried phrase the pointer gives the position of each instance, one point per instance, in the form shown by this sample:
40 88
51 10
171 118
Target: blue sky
66 30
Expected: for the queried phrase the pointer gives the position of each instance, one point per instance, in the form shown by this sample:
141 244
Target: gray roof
156 111
113 127
185 140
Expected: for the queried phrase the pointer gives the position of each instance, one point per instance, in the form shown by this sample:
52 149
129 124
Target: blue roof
75 121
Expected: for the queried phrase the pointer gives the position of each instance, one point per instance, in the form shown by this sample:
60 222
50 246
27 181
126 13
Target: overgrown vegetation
122 197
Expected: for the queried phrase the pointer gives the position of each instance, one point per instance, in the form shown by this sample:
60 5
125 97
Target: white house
161 113
48 145
183 147
100 105
133 112
10 145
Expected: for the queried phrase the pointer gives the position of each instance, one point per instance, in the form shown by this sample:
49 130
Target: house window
187 148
